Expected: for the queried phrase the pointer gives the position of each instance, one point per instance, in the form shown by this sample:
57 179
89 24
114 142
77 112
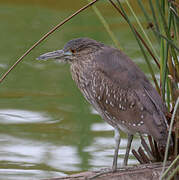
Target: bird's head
73 50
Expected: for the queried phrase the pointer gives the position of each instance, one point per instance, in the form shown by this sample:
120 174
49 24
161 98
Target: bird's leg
129 141
117 141
114 166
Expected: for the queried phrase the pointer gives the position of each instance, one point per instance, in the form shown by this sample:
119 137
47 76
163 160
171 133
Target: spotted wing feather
129 84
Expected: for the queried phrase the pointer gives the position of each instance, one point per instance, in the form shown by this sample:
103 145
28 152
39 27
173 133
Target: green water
47 128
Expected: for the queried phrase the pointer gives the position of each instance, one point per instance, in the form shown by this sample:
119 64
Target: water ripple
17 116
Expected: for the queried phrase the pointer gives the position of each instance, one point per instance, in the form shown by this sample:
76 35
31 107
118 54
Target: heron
114 85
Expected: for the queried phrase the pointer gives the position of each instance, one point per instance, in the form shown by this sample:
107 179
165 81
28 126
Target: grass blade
140 45
106 26
168 139
140 25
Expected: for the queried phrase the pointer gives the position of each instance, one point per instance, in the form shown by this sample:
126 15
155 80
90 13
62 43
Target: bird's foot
114 167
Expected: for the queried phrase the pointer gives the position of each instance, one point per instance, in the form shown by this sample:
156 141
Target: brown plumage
116 88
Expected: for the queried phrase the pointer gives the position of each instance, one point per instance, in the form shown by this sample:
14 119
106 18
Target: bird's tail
162 139
161 132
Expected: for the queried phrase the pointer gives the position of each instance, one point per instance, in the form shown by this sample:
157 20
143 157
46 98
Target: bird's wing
121 70
125 94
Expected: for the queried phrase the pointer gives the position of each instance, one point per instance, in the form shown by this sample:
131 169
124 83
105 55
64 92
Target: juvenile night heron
116 88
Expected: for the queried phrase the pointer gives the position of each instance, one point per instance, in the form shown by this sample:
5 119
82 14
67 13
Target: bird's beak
59 54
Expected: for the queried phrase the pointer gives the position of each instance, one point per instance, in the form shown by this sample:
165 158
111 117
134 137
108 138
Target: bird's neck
80 64
81 68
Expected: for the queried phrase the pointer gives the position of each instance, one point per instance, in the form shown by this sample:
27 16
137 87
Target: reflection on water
30 155
22 174
47 129
64 158
15 116
102 151
101 127
23 156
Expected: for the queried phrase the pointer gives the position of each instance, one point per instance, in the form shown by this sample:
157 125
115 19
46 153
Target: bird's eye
72 50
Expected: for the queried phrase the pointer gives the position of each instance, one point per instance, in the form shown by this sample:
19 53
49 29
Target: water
47 129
